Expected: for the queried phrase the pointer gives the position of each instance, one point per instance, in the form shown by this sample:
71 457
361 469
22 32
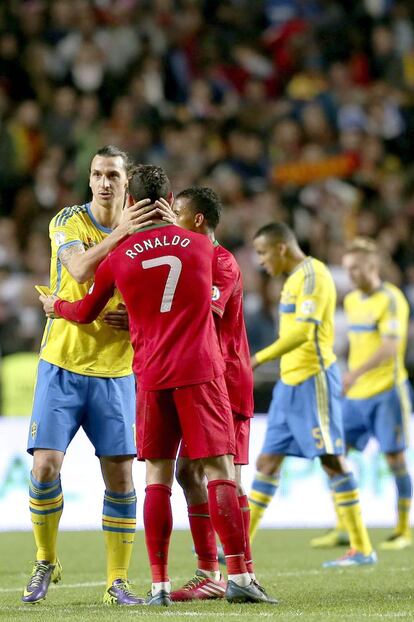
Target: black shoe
250 594
269 599
162 598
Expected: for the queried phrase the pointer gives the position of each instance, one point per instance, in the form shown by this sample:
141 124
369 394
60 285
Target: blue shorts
65 401
305 420
385 416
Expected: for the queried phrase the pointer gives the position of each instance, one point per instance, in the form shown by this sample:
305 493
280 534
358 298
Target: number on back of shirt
172 278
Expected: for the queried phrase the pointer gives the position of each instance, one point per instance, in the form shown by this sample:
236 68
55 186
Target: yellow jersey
94 349
308 295
384 313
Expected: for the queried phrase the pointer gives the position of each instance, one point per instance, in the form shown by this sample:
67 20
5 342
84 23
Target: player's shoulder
309 273
225 259
199 238
352 297
169 236
68 214
319 267
393 295
389 289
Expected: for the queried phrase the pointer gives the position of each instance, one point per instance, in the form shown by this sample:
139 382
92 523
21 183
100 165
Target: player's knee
117 475
189 475
120 482
334 465
268 465
46 470
395 459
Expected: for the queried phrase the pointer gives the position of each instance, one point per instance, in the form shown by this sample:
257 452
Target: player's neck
295 257
105 215
372 286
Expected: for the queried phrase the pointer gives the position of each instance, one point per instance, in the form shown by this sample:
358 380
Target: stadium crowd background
301 110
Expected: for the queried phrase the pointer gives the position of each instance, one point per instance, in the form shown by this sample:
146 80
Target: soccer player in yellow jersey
377 400
305 414
85 380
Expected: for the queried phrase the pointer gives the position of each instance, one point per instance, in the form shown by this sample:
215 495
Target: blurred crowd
301 110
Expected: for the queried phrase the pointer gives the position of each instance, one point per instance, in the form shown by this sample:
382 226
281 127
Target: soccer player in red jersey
198 209
165 277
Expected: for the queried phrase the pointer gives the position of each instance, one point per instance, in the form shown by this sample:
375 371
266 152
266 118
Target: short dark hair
147 181
278 232
205 201
111 151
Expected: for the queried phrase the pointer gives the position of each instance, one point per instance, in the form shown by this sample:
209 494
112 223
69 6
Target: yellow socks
261 494
118 524
46 506
346 496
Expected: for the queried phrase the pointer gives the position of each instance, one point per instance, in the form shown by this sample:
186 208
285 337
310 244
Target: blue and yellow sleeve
312 296
63 232
389 324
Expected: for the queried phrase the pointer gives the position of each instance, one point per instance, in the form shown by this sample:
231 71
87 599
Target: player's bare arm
82 264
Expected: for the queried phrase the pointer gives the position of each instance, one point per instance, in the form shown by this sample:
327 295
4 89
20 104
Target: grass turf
285 565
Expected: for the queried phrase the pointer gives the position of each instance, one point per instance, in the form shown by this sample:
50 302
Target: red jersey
227 303
164 274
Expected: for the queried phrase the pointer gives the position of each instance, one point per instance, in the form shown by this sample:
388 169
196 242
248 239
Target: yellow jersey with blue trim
384 313
308 295
94 349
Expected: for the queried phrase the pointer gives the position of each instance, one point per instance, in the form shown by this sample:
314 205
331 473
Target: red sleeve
87 310
224 282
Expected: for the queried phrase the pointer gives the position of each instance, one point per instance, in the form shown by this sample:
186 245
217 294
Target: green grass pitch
284 562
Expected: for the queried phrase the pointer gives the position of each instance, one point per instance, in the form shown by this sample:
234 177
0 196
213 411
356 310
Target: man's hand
117 318
254 362
348 379
139 215
48 305
165 211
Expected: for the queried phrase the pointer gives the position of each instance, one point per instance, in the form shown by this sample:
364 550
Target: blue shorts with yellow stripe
65 401
305 420
386 417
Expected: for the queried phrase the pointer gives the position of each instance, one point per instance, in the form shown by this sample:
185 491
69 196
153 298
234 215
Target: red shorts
242 436
241 427
199 414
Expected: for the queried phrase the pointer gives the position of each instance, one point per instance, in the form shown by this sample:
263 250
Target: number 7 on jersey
172 278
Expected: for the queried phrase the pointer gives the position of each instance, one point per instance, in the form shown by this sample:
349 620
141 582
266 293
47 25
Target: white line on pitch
298 573
69 586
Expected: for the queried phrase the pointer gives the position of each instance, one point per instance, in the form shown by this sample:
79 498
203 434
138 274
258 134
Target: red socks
228 515
204 537
245 510
226 518
158 526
